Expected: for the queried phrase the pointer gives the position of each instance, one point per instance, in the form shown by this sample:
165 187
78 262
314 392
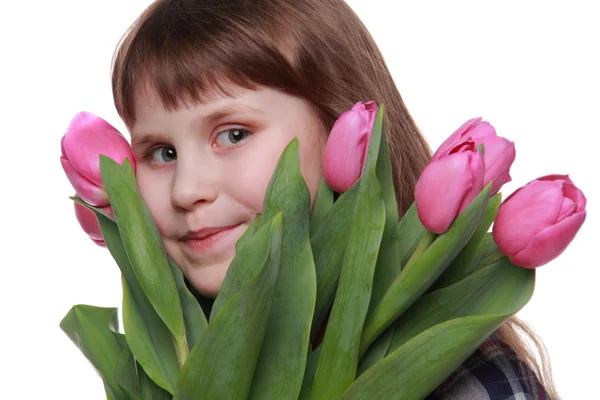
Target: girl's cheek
156 195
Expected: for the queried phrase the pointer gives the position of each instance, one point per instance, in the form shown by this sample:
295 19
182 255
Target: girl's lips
211 241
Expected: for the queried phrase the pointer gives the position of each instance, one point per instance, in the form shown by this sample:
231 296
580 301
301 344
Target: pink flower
89 222
498 152
448 185
347 145
87 137
537 222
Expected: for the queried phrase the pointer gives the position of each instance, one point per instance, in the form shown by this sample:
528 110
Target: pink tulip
448 185
536 223
347 146
498 152
87 137
89 222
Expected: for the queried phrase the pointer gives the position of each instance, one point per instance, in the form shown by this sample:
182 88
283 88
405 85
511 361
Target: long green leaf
500 288
388 263
487 254
338 361
133 379
94 331
146 333
329 246
414 280
442 329
142 242
417 368
126 374
377 351
221 365
410 231
149 340
249 257
309 373
322 205
281 364
194 318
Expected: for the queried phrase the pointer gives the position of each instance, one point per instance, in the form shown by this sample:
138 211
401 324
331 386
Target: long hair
318 50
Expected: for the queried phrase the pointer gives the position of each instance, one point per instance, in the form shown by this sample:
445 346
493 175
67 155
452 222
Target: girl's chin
207 280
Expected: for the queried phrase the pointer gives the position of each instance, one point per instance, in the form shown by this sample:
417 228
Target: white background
530 68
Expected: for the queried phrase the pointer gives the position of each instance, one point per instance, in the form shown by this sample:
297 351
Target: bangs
189 60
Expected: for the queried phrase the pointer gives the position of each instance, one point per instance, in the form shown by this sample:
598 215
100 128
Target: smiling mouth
207 242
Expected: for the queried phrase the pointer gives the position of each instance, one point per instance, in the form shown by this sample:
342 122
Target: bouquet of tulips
344 300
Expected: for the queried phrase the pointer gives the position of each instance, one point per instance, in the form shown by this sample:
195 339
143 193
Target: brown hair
318 50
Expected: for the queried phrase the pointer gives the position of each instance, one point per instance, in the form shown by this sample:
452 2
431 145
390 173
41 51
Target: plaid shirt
493 372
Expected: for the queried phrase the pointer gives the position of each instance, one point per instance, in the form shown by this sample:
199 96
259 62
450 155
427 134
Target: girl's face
204 170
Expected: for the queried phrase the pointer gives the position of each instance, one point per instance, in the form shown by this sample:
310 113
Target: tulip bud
498 152
537 222
87 137
89 222
347 146
448 185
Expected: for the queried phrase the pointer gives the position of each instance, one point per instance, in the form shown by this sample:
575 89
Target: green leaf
329 246
149 339
442 329
323 203
251 250
309 373
126 374
282 363
422 364
414 280
94 331
459 267
410 232
221 365
149 390
487 254
146 333
377 351
194 318
500 288
338 361
388 263
142 242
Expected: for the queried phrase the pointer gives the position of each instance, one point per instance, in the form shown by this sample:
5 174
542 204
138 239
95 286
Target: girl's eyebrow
217 116
142 139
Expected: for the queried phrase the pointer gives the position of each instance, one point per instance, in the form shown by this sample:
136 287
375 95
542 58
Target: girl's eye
231 137
161 155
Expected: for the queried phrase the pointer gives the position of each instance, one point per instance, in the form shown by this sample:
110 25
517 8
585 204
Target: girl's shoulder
493 372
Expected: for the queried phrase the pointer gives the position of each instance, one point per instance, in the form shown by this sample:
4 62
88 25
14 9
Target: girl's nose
194 184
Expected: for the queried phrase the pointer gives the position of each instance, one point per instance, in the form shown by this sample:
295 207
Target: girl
213 90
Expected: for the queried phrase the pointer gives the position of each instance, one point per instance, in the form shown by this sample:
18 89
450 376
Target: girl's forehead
261 102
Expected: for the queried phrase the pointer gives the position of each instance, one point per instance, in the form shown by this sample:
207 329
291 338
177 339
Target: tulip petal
572 192
567 208
86 138
499 155
456 136
526 213
345 151
89 222
550 243
440 190
480 131
477 172
88 191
